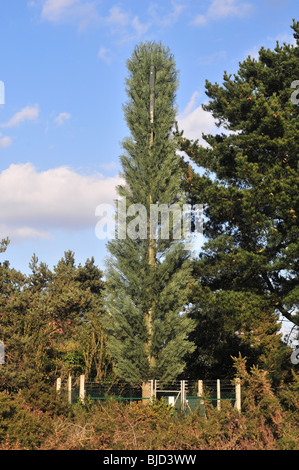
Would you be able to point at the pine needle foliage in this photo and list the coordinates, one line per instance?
(147, 276)
(248, 183)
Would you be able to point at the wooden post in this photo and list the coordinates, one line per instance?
(218, 395)
(183, 395)
(58, 384)
(200, 393)
(146, 392)
(200, 388)
(153, 390)
(82, 388)
(69, 389)
(201, 401)
(238, 394)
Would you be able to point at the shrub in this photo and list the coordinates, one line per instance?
(20, 425)
(36, 419)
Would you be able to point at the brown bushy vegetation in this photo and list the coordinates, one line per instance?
(42, 421)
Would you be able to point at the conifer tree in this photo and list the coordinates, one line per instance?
(250, 190)
(51, 321)
(147, 274)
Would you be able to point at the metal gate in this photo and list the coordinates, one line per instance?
(174, 392)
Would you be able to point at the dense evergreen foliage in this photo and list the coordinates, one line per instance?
(51, 322)
(147, 278)
(247, 271)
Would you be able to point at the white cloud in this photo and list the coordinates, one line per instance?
(194, 121)
(121, 22)
(53, 10)
(123, 25)
(212, 59)
(108, 166)
(5, 141)
(220, 9)
(253, 53)
(21, 233)
(61, 11)
(117, 17)
(170, 18)
(281, 38)
(61, 118)
(129, 27)
(33, 203)
(28, 113)
(138, 27)
(104, 54)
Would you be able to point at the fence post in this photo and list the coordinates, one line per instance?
(183, 395)
(69, 389)
(58, 384)
(146, 391)
(218, 395)
(200, 388)
(82, 388)
(201, 401)
(238, 394)
(153, 390)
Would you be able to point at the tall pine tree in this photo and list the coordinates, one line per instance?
(248, 270)
(147, 274)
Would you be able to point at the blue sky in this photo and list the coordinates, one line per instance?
(63, 64)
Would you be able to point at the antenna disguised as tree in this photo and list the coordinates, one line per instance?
(148, 275)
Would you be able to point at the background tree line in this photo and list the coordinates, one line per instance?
(51, 322)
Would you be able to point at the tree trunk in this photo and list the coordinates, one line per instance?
(152, 244)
